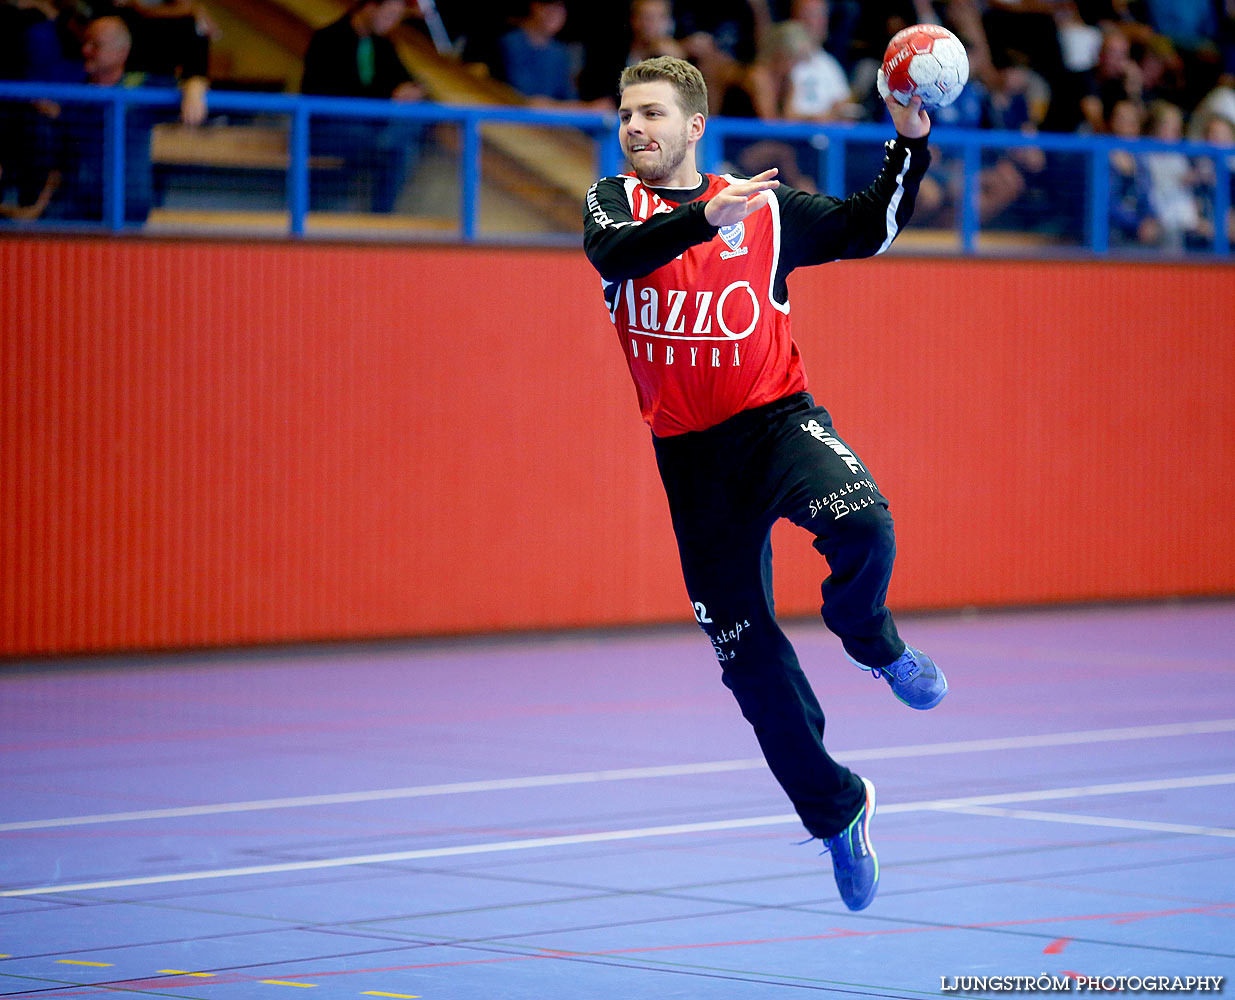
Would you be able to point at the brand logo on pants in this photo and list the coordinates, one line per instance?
(820, 433)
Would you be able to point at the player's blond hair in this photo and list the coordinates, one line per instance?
(687, 81)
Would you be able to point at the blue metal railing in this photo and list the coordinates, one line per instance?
(834, 146)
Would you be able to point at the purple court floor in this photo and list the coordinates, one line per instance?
(585, 816)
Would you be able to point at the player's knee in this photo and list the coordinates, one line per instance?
(744, 641)
(870, 529)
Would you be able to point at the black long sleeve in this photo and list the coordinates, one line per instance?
(620, 247)
(817, 228)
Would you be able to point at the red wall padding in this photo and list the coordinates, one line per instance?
(216, 443)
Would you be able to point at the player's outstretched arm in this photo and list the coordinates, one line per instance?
(819, 227)
(620, 247)
(737, 201)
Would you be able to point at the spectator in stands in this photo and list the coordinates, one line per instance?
(718, 67)
(1080, 40)
(170, 42)
(1172, 179)
(1192, 28)
(733, 27)
(819, 89)
(648, 32)
(843, 19)
(73, 145)
(1079, 45)
(1164, 73)
(720, 38)
(1016, 100)
(533, 61)
(171, 50)
(763, 89)
(1131, 217)
(354, 57)
(56, 51)
(1019, 187)
(651, 31)
(1027, 32)
(1219, 131)
(1220, 101)
(1117, 77)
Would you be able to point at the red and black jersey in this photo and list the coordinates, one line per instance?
(703, 314)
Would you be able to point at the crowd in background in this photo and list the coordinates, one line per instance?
(1129, 68)
(1160, 68)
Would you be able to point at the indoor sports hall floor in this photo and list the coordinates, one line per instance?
(584, 816)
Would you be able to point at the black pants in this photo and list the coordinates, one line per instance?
(727, 486)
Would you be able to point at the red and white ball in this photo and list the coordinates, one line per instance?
(926, 61)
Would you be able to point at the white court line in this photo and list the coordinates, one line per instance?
(745, 822)
(632, 773)
(1081, 820)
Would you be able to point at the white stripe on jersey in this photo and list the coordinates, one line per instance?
(895, 203)
(774, 206)
(631, 183)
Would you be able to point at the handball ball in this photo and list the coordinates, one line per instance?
(926, 60)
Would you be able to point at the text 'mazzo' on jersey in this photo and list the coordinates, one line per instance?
(702, 314)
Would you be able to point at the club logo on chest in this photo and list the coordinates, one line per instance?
(733, 237)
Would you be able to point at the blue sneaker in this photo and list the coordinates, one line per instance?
(853, 858)
(913, 678)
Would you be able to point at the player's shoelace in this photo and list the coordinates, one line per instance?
(905, 668)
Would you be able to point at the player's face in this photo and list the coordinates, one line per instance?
(656, 135)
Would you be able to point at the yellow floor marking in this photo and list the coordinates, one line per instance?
(97, 965)
(376, 993)
(284, 982)
(182, 972)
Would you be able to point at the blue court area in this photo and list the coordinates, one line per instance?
(586, 816)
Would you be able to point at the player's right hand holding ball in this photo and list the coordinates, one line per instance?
(911, 119)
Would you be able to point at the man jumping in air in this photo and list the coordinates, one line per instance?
(693, 268)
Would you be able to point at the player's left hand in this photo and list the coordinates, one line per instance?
(911, 119)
